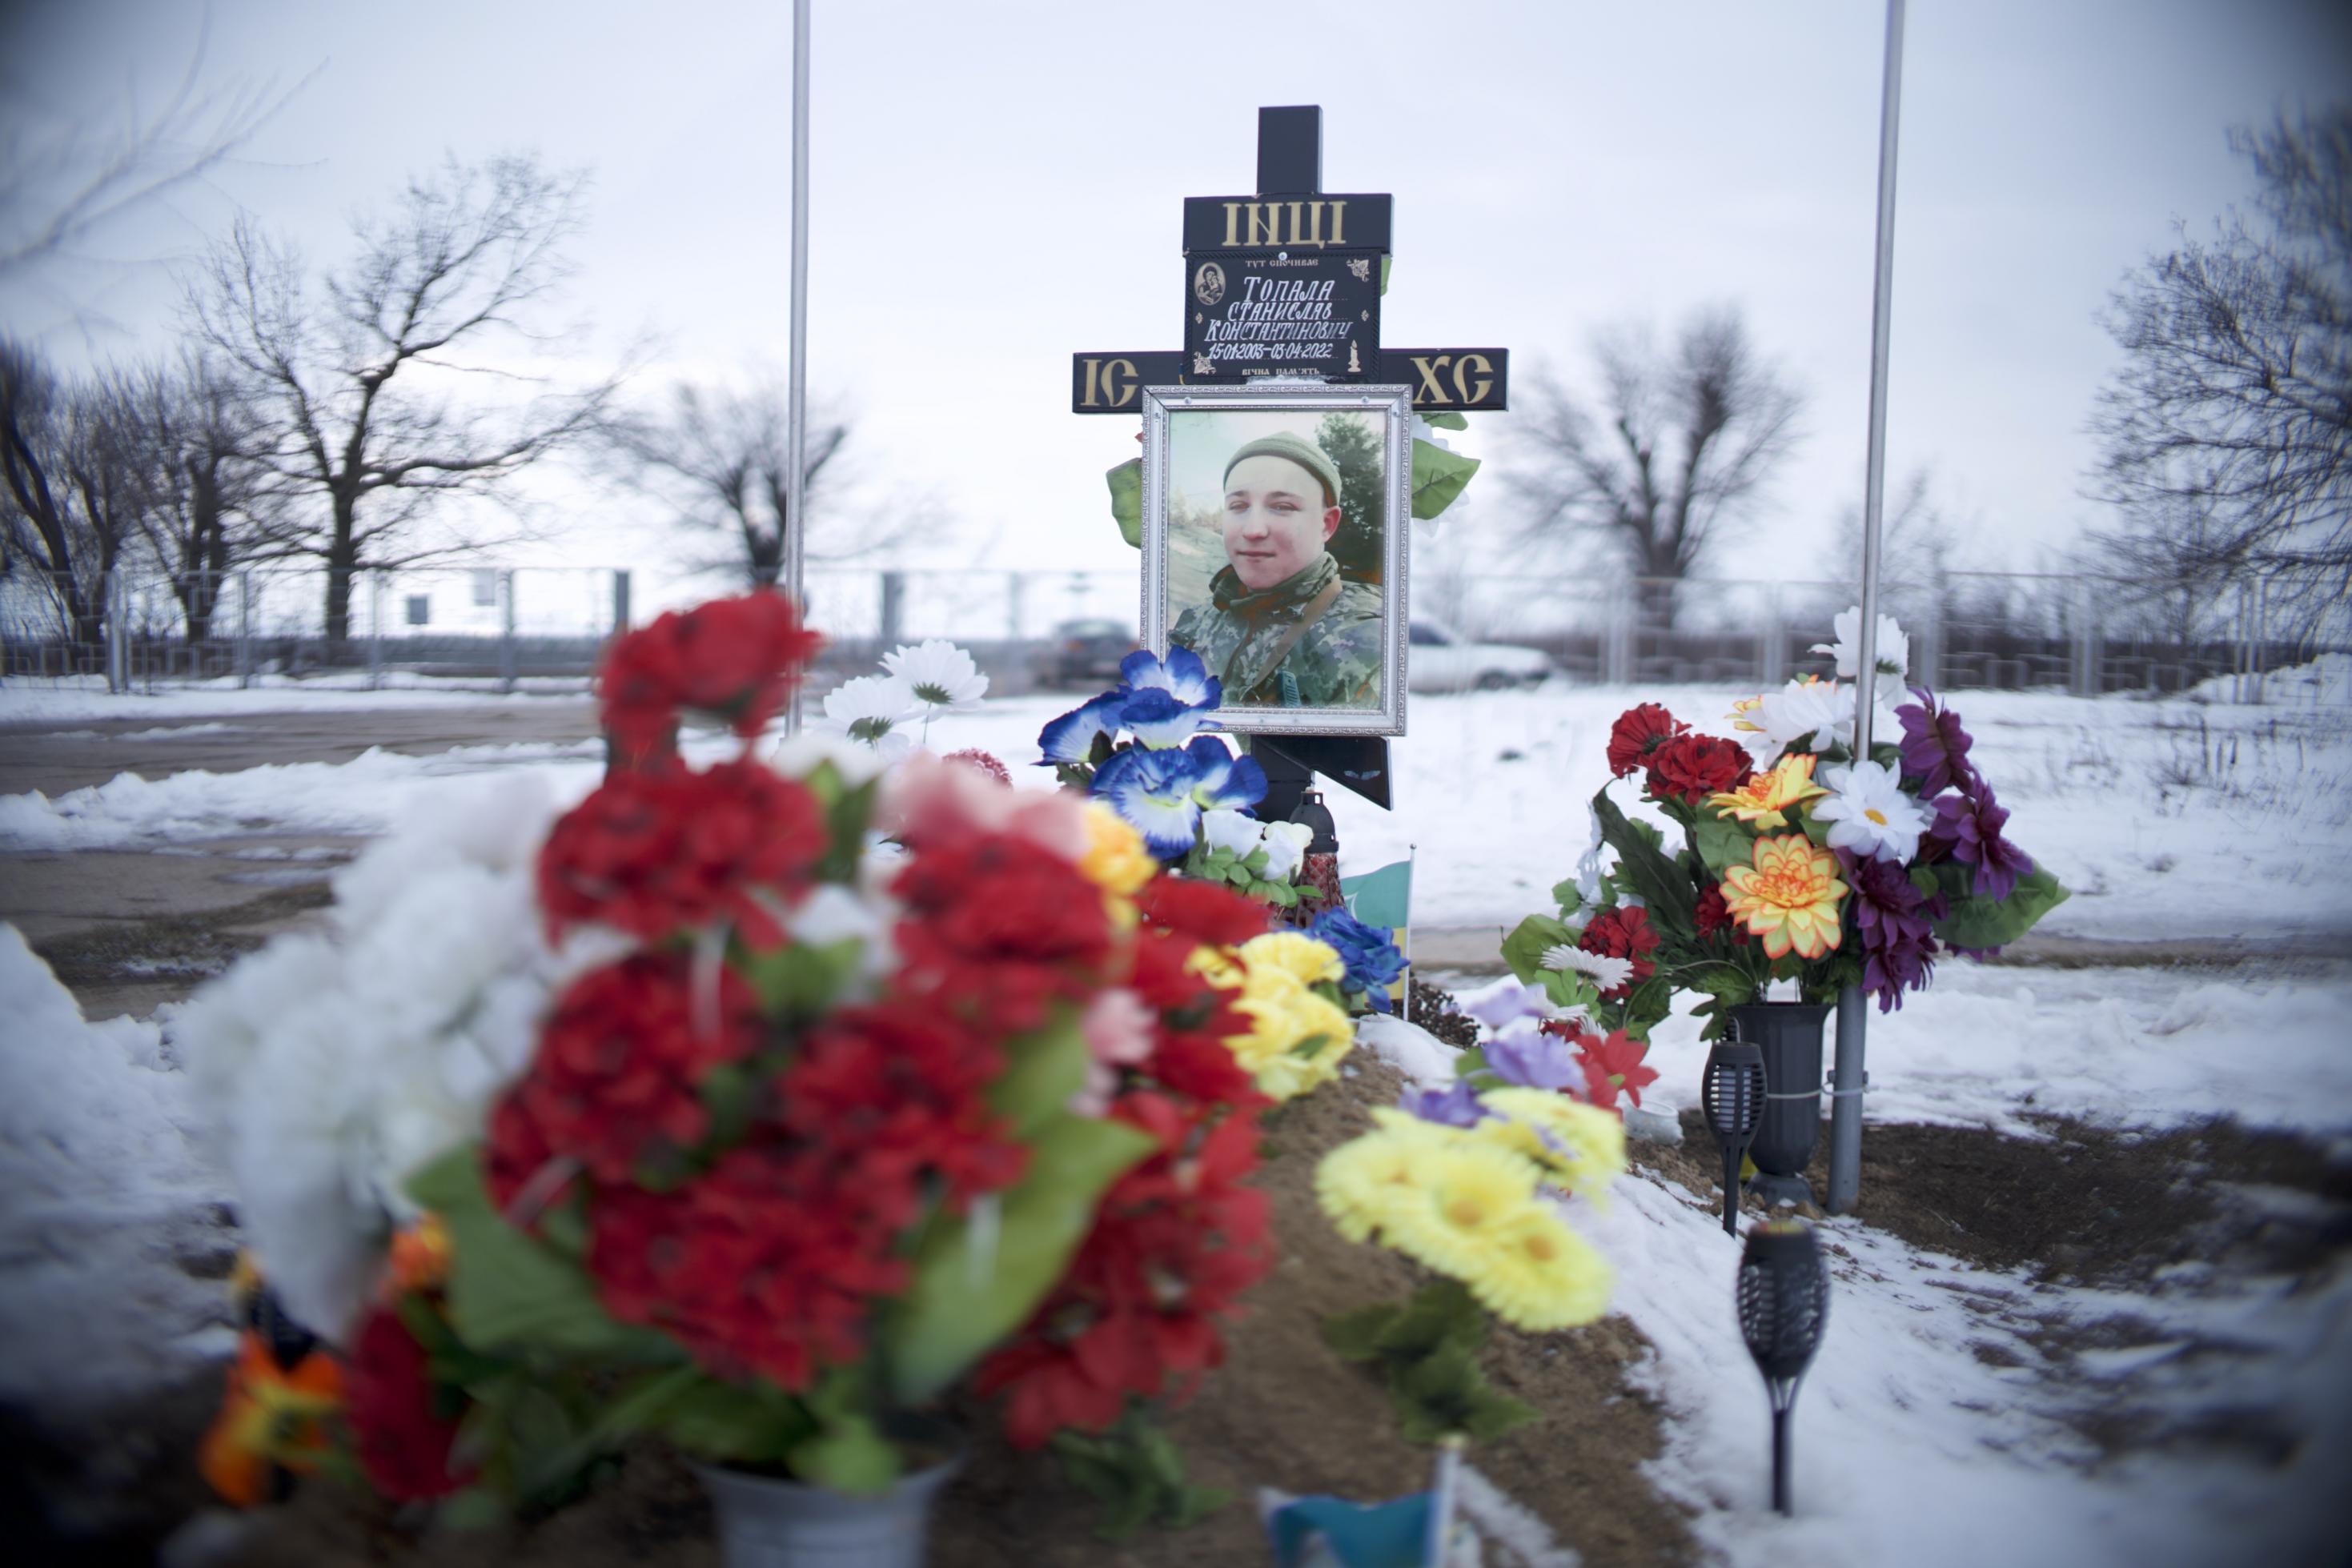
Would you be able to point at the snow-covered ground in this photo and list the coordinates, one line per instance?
(2169, 820)
(86, 697)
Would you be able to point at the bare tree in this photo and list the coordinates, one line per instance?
(1916, 539)
(2228, 430)
(73, 495)
(718, 456)
(196, 441)
(1680, 440)
(371, 384)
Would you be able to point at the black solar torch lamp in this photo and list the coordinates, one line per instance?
(1733, 1098)
(1784, 1299)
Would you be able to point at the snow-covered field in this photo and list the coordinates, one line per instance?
(2174, 821)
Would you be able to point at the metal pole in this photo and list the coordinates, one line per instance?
(1848, 1080)
(796, 385)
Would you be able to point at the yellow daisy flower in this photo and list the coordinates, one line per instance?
(1789, 896)
(1586, 1146)
(1115, 859)
(1536, 1273)
(1467, 1192)
(1362, 1182)
(1296, 952)
(1296, 1039)
(1764, 800)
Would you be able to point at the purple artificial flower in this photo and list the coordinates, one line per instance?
(1891, 915)
(1533, 1059)
(1969, 823)
(1508, 1000)
(1452, 1106)
(1935, 746)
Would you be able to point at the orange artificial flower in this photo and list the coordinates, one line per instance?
(1765, 798)
(271, 1419)
(1789, 896)
(419, 1260)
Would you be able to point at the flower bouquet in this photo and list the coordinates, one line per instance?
(721, 1119)
(1796, 860)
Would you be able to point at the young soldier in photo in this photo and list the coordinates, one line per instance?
(1281, 627)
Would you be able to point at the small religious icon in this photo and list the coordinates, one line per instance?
(1363, 267)
(1202, 367)
(1355, 364)
(1209, 283)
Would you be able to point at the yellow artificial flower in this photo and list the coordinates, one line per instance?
(1360, 1183)
(1296, 951)
(1466, 1191)
(1765, 798)
(1740, 712)
(1115, 859)
(1221, 966)
(1789, 896)
(1586, 1146)
(1536, 1274)
(1296, 1039)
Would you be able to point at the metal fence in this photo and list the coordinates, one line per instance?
(503, 628)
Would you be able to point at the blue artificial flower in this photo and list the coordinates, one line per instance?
(1156, 717)
(1221, 778)
(1368, 952)
(1181, 676)
(1456, 1106)
(1153, 789)
(1533, 1061)
(1071, 737)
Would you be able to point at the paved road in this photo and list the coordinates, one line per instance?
(70, 754)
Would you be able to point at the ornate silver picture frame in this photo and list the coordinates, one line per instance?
(1277, 532)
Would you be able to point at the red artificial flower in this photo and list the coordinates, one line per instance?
(1638, 732)
(1189, 1056)
(1711, 915)
(1202, 911)
(1622, 933)
(652, 853)
(401, 1421)
(1052, 1390)
(766, 1264)
(1690, 767)
(619, 1069)
(736, 657)
(986, 762)
(897, 1091)
(1612, 1064)
(998, 930)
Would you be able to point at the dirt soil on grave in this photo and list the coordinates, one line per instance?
(1283, 1411)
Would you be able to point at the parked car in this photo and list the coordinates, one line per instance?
(1441, 661)
(1084, 653)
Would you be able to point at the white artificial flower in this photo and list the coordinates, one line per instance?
(332, 1065)
(1285, 849)
(869, 710)
(830, 912)
(1606, 973)
(1869, 813)
(798, 756)
(1588, 868)
(941, 675)
(1892, 656)
(1224, 829)
(1810, 711)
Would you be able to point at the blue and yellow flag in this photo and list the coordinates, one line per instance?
(1383, 897)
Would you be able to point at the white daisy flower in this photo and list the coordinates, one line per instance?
(1869, 813)
(942, 675)
(1606, 973)
(1807, 711)
(869, 709)
(1892, 655)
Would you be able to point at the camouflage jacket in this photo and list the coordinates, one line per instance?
(1334, 662)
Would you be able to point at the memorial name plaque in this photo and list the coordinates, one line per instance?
(1288, 313)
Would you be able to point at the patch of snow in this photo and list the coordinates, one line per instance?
(107, 1198)
(87, 698)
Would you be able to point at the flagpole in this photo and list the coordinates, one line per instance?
(1848, 1080)
(1411, 850)
(796, 379)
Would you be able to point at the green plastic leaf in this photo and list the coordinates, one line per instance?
(1126, 483)
(1980, 923)
(1384, 274)
(1356, 1336)
(1440, 1314)
(947, 1321)
(1663, 884)
(1446, 418)
(1048, 1067)
(1722, 843)
(1566, 895)
(507, 1291)
(1439, 477)
(797, 980)
(849, 1456)
(736, 1425)
(1530, 940)
(476, 1508)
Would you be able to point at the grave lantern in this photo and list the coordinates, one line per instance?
(1732, 1094)
(1318, 874)
(1784, 1298)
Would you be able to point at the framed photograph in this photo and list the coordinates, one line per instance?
(1276, 523)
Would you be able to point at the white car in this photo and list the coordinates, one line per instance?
(1442, 662)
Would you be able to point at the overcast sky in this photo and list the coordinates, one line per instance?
(998, 185)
